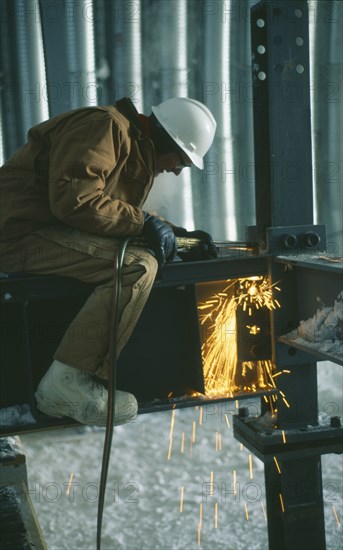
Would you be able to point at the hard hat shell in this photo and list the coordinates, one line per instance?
(191, 125)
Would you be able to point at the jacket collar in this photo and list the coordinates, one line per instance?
(127, 108)
(129, 111)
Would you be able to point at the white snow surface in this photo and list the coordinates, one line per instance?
(143, 494)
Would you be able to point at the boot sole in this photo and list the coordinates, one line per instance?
(58, 411)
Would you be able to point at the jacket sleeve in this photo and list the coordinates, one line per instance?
(81, 158)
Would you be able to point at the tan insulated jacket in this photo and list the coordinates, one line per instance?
(90, 169)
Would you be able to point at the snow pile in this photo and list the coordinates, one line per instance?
(324, 331)
(325, 324)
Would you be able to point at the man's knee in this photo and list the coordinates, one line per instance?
(140, 259)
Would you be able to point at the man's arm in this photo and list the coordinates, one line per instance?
(81, 159)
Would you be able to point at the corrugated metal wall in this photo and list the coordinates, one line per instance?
(63, 54)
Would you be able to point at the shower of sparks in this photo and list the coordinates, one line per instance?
(283, 436)
(250, 466)
(181, 498)
(246, 511)
(69, 483)
(183, 442)
(193, 432)
(200, 416)
(241, 446)
(227, 421)
(199, 534)
(277, 465)
(234, 482)
(263, 510)
(172, 422)
(190, 447)
(219, 351)
(216, 515)
(336, 516)
(281, 502)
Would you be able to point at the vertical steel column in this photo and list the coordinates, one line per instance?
(282, 127)
(283, 175)
(294, 503)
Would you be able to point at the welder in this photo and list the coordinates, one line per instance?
(69, 196)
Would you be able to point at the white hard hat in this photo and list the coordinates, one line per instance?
(190, 124)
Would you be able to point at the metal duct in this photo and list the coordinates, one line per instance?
(103, 70)
(31, 65)
(9, 103)
(327, 116)
(240, 97)
(216, 202)
(171, 197)
(125, 51)
(23, 71)
(79, 28)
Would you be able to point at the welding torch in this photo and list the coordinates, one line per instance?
(192, 249)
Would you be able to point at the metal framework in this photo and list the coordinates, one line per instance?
(292, 252)
(282, 137)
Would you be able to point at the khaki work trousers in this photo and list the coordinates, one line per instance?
(85, 345)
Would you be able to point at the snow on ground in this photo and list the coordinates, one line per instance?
(144, 488)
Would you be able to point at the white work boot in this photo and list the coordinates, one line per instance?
(66, 391)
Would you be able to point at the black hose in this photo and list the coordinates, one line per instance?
(112, 378)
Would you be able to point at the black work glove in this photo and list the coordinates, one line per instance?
(160, 238)
(204, 251)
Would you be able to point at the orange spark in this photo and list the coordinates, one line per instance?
(277, 465)
(172, 422)
(336, 516)
(193, 432)
(69, 483)
(183, 442)
(263, 510)
(286, 402)
(250, 466)
(199, 534)
(211, 483)
(181, 498)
